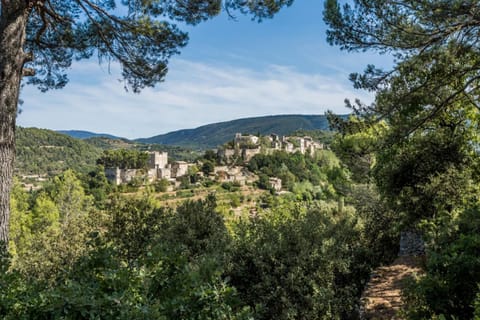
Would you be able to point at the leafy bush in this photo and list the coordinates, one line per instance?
(165, 286)
(298, 263)
(452, 271)
(123, 159)
(161, 185)
(230, 186)
(235, 200)
(152, 263)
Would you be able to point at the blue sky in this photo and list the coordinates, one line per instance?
(229, 70)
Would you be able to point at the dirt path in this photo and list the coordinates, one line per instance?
(382, 297)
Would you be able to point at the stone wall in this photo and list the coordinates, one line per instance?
(157, 159)
(127, 175)
(113, 175)
(411, 243)
(247, 154)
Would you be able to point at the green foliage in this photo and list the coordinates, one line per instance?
(197, 229)
(290, 261)
(50, 234)
(305, 191)
(45, 214)
(174, 152)
(69, 195)
(427, 169)
(477, 306)
(356, 146)
(20, 220)
(453, 271)
(208, 167)
(41, 151)
(324, 136)
(235, 200)
(186, 290)
(185, 182)
(230, 186)
(161, 185)
(99, 286)
(216, 134)
(95, 183)
(298, 263)
(264, 182)
(381, 225)
(428, 174)
(432, 76)
(268, 200)
(322, 170)
(123, 159)
(210, 155)
(134, 223)
(152, 263)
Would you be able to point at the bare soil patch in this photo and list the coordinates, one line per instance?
(382, 298)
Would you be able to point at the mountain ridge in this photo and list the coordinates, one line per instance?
(215, 134)
(83, 134)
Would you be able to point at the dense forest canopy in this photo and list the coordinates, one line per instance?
(45, 152)
(426, 161)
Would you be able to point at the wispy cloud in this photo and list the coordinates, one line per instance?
(194, 94)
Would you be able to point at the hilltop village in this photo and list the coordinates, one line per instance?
(229, 166)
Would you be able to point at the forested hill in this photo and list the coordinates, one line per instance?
(80, 134)
(42, 151)
(213, 135)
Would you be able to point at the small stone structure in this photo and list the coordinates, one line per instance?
(276, 183)
(240, 140)
(226, 153)
(411, 243)
(231, 174)
(118, 176)
(247, 154)
(179, 169)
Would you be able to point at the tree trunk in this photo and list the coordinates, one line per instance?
(13, 20)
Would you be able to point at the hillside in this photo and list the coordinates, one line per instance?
(174, 152)
(213, 135)
(42, 151)
(106, 143)
(80, 134)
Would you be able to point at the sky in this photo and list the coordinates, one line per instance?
(230, 69)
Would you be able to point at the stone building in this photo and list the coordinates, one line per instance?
(247, 154)
(157, 160)
(276, 183)
(157, 168)
(245, 140)
(179, 169)
(119, 176)
(157, 164)
(226, 153)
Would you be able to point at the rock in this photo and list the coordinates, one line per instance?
(411, 243)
